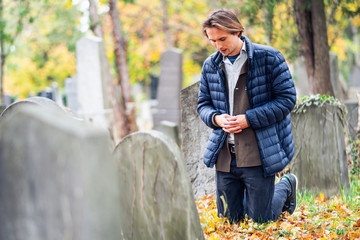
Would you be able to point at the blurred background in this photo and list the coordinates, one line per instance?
(39, 41)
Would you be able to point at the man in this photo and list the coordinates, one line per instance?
(246, 95)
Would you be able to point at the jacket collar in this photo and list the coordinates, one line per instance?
(217, 57)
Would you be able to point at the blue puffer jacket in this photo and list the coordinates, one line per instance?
(272, 96)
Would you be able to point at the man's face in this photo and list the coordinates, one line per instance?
(228, 44)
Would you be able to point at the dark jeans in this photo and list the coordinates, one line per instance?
(247, 191)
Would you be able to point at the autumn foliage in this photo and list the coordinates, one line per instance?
(322, 218)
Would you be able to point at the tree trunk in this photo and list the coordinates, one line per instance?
(122, 71)
(117, 105)
(311, 22)
(2, 56)
(166, 27)
(2, 64)
(269, 17)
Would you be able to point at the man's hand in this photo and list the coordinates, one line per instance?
(231, 124)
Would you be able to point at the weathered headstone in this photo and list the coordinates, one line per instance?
(91, 83)
(300, 76)
(352, 117)
(170, 84)
(320, 162)
(195, 134)
(45, 103)
(354, 80)
(71, 94)
(155, 189)
(170, 129)
(57, 178)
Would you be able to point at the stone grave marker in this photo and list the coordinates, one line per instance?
(352, 117)
(71, 94)
(170, 129)
(354, 80)
(320, 162)
(57, 178)
(93, 102)
(156, 195)
(169, 86)
(45, 103)
(195, 135)
(300, 77)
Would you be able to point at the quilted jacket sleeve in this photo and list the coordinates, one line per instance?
(283, 97)
(205, 106)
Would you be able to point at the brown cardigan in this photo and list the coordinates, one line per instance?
(246, 147)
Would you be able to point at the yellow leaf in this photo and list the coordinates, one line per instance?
(286, 226)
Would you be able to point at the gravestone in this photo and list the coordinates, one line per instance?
(170, 84)
(93, 103)
(170, 129)
(45, 103)
(57, 178)
(300, 77)
(354, 82)
(320, 162)
(352, 117)
(339, 86)
(156, 195)
(355, 77)
(71, 94)
(195, 135)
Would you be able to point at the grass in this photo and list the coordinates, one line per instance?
(316, 217)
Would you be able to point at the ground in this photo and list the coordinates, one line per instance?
(315, 218)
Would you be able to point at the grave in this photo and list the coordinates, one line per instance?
(352, 117)
(71, 94)
(170, 129)
(156, 195)
(320, 162)
(57, 177)
(354, 82)
(195, 135)
(169, 86)
(91, 89)
(45, 103)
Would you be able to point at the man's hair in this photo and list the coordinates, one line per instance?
(223, 19)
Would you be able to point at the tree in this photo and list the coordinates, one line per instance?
(166, 24)
(127, 104)
(118, 104)
(18, 10)
(44, 52)
(311, 22)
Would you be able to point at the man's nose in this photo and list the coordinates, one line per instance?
(217, 45)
